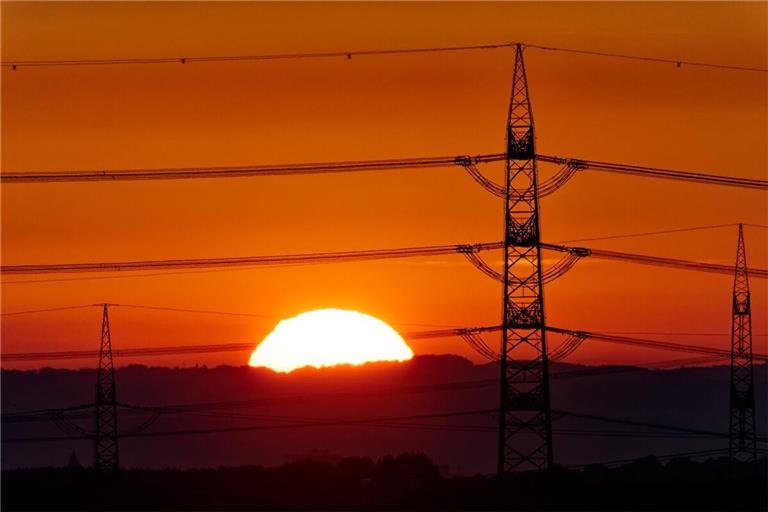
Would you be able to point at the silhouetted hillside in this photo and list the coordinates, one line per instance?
(278, 404)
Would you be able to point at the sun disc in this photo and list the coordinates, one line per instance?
(329, 337)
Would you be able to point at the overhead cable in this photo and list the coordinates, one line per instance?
(198, 349)
(369, 255)
(650, 233)
(655, 172)
(571, 165)
(243, 170)
(203, 431)
(286, 259)
(47, 310)
(658, 261)
(417, 335)
(676, 62)
(350, 54)
(662, 345)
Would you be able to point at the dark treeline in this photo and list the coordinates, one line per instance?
(405, 482)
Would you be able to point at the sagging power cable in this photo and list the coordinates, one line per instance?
(570, 166)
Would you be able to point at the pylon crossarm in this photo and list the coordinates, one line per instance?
(551, 185)
(566, 263)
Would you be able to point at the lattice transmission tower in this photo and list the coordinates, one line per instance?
(525, 430)
(742, 443)
(105, 446)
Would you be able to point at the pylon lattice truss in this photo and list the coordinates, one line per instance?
(105, 445)
(525, 433)
(742, 444)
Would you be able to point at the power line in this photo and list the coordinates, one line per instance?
(137, 306)
(246, 346)
(670, 333)
(183, 408)
(716, 353)
(360, 255)
(186, 310)
(677, 432)
(130, 352)
(201, 407)
(451, 386)
(256, 57)
(671, 431)
(361, 166)
(48, 310)
(650, 233)
(416, 335)
(386, 424)
(197, 349)
(223, 313)
(175, 310)
(248, 428)
(133, 276)
(682, 455)
(636, 423)
(676, 62)
(349, 54)
(388, 391)
(655, 172)
(244, 170)
(633, 434)
(660, 261)
(45, 414)
(662, 345)
(286, 259)
(759, 273)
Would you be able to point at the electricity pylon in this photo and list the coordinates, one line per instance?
(525, 430)
(742, 445)
(105, 446)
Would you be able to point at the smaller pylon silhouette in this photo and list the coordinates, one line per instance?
(742, 445)
(105, 447)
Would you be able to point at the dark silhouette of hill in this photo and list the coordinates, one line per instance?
(690, 397)
(405, 482)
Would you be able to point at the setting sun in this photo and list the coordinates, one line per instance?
(328, 337)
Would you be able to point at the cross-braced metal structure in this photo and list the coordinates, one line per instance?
(525, 431)
(105, 446)
(742, 444)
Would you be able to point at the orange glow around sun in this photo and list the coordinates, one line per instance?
(329, 337)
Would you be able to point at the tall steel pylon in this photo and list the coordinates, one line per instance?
(105, 446)
(525, 430)
(742, 443)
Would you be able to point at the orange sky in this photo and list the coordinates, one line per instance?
(365, 108)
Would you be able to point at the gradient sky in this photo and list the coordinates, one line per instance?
(137, 116)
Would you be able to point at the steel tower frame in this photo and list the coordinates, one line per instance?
(525, 423)
(742, 442)
(105, 445)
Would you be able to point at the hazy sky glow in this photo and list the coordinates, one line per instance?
(117, 117)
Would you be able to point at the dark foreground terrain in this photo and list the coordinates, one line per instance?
(406, 482)
(233, 397)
